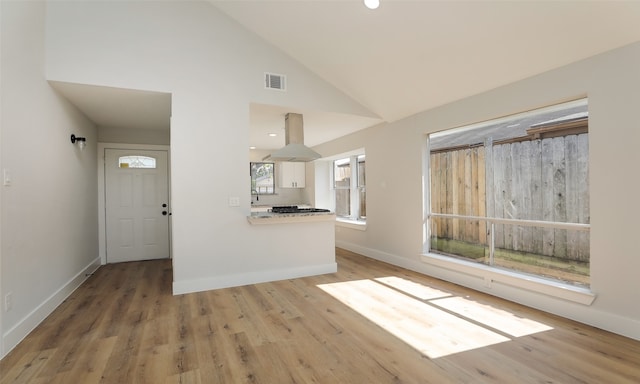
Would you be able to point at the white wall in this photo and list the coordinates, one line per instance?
(214, 70)
(133, 136)
(394, 183)
(49, 220)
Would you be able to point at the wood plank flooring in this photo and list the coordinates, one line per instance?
(368, 323)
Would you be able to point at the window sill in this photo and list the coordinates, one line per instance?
(353, 224)
(530, 283)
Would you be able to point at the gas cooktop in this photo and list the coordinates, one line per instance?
(296, 209)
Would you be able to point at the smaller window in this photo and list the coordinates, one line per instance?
(342, 187)
(349, 188)
(262, 179)
(362, 190)
(137, 162)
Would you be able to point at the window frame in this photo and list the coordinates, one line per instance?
(255, 191)
(357, 183)
(490, 272)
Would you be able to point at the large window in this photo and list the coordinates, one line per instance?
(513, 193)
(349, 185)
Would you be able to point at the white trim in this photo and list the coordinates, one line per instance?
(354, 189)
(381, 256)
(102, 219)
(344, 155)
(353, 224)
(199, 285)
(22, 329)
(483, 274)
(522, 222)
(492, 275)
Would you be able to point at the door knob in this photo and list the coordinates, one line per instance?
(164, 205)
(164, 213)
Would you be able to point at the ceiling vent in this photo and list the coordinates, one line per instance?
(275, 81)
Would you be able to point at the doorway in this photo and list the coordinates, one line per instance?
(136, 220)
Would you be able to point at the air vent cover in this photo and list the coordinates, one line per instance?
(275, 81)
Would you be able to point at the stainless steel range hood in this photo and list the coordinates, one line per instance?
(294, 149)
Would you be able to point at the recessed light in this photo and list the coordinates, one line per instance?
(252, 147)
(273, 134)
(372, 4)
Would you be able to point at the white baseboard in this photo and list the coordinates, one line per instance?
(382, 256)
(21, 330)
(199, 285)
(589, 315)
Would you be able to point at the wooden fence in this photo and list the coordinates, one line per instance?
(543, 179)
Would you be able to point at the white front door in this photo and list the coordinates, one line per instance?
(136, 204)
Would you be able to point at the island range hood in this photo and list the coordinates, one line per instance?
(294, 149)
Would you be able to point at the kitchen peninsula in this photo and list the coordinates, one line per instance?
(293, 244)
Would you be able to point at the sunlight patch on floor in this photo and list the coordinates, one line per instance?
(430, 330)
(414, 289)
(499, 319)
(422, 316)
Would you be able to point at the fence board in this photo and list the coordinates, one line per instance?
(506, 195)
(536, 195)
(468, 195)
(489, 182)
(571, 192)
(475, 203)
(436, 170)
(499, 191)
(449, 190)
(472, 189)
(455, 185)
(525, 188)
(559, 196)
(583, 196)
(537, 180)
(516, 196)
(460, 208)
(548, 235)
(482, 196)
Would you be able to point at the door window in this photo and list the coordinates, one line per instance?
(135, 161)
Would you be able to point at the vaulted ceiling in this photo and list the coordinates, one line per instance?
(410, 56)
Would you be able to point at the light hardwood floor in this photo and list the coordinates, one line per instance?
(369, 323)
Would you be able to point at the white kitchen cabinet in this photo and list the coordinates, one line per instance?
(292, 175)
